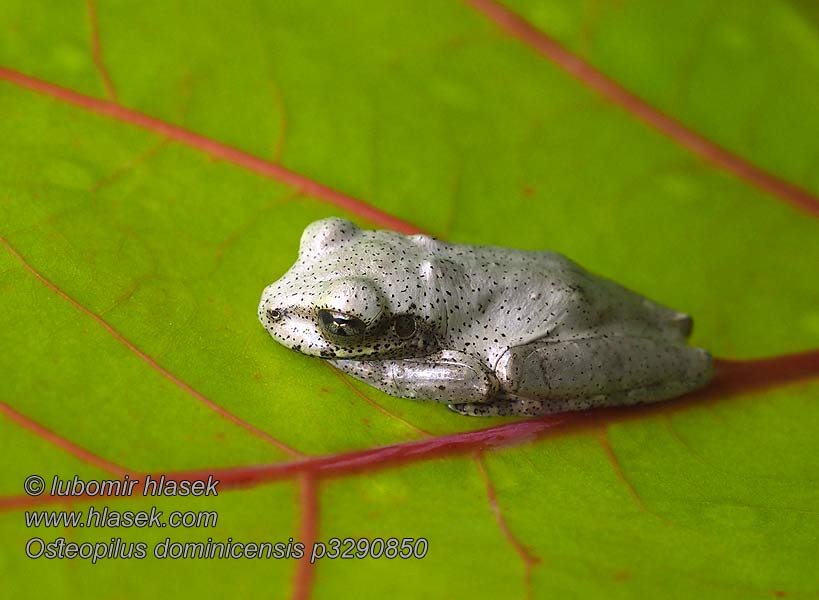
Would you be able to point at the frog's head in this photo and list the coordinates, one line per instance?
(337, 301)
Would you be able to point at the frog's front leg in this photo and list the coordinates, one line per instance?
(446, 376)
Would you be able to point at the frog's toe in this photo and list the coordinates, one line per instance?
(509, 407)
(495, 408)
(476, 409)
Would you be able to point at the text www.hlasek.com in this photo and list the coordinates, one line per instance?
(113, 518)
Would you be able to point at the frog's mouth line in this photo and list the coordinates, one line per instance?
(298, 329)
(303, 334)
(320, 331)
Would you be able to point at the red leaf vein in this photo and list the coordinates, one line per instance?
(212, 148)
(96, 49)
(732, 378)
(150, 361)
(68, 446)
(575, 66)
(308, 534)
(528, 558)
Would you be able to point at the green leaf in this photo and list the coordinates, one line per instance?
(134, 253)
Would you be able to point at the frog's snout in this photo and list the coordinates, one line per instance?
(291, 326)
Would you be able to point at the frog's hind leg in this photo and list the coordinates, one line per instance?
(526, 407)
(599, 371)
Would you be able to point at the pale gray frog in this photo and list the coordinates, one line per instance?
(487, 330)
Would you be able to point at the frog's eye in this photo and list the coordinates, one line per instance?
(348, 296)
(339, 325)
(404, 326)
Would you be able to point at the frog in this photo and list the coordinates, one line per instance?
(485, 330)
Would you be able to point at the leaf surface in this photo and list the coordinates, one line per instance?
(134, 254)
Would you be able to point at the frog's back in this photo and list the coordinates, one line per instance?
(540, 293)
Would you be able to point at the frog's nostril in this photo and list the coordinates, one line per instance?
(274, 314)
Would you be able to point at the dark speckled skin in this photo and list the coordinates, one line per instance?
(487, 330)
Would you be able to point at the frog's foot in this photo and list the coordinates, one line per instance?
(446, 376)
(509, 407)
(513, 406)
